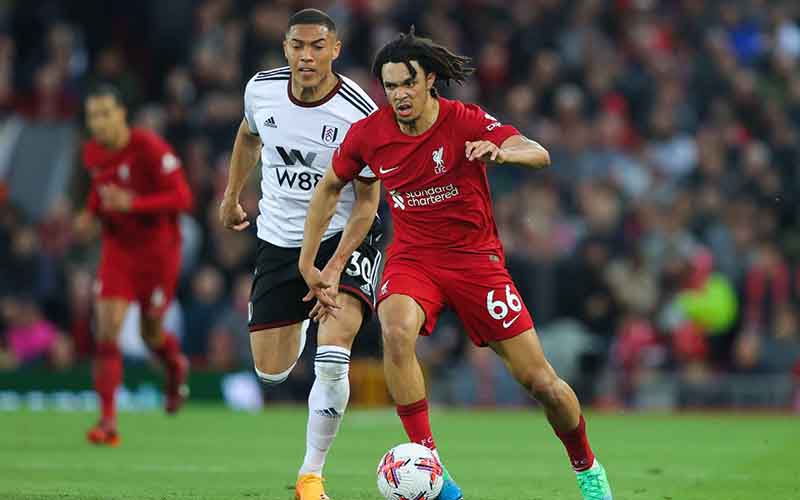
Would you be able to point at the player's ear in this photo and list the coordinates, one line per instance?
(337, 47)
(285, 46)
(430, 79)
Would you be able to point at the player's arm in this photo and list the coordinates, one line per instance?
(174, 196)
(171, 192)
(320, 212)
(246, 150)
(368, 197)
(517, 150)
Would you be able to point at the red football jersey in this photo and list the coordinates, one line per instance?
(148, 167)
(440, 203)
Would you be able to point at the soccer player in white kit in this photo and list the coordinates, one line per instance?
(295, 118)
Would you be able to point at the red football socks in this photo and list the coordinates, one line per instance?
(168, 351)
(107, 377)
(577, 445)
(417, 423)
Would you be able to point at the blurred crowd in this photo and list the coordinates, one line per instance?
(664, 239)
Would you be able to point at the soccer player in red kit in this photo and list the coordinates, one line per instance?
(430, 153)
(137, 191)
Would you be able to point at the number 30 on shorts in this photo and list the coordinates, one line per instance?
(361, 266)
(498, 309)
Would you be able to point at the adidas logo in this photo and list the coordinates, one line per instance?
(365, 288)
(328, 412)
(270, 122)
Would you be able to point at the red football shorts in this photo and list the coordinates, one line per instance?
(482, 295)
(149, 279)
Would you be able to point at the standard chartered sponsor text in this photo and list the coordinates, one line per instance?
(431, 195)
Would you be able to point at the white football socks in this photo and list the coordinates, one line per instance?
(326, 404)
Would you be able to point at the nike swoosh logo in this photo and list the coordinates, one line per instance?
(387, 170)
(506, 324)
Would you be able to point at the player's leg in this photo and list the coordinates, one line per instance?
(156, 287)
(330, 393)
(276, 351)
(402, 319)
(107, 368)
(165, 346)
(525, 359)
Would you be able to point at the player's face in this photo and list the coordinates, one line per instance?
(407, 94)
(310, 50)
(105, 118)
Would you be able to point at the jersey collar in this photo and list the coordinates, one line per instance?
(319, 102)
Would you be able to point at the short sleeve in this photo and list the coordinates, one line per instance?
(485, 127)
(367, 175)
(348, 162)
(248, 108)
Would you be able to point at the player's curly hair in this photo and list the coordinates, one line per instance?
(407, 47)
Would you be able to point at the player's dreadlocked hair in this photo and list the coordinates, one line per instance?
(430, 55)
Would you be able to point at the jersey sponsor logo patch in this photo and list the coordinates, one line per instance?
(169, 163)
(329, 134)
(270, 122)
(305, 181)
(438, 160)
(492, 126)
(385, 171)
(397, 198)
(424, 197)
(292, 157)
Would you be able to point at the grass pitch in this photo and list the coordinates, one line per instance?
(211, 453)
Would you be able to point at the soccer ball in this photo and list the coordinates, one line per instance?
(410, 472)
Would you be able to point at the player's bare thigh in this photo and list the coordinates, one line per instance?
(110, 316)
(401, 320)
(275, 349)
(341, 330)
(525, 359)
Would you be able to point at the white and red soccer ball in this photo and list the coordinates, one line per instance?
(410, 471)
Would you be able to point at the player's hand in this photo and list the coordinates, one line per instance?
(324, 286)
(330, 275)
(114, 198)
(84, 226)
(232, 215)
(484, 151)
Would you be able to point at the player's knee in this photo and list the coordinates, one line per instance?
(270, 379)
(541, 383)
(398, 342)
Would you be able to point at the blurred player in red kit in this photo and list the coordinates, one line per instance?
(137, 191)
(431, 153)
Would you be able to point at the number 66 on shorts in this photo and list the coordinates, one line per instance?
(482, 295)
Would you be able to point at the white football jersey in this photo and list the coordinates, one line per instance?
(299, 140)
